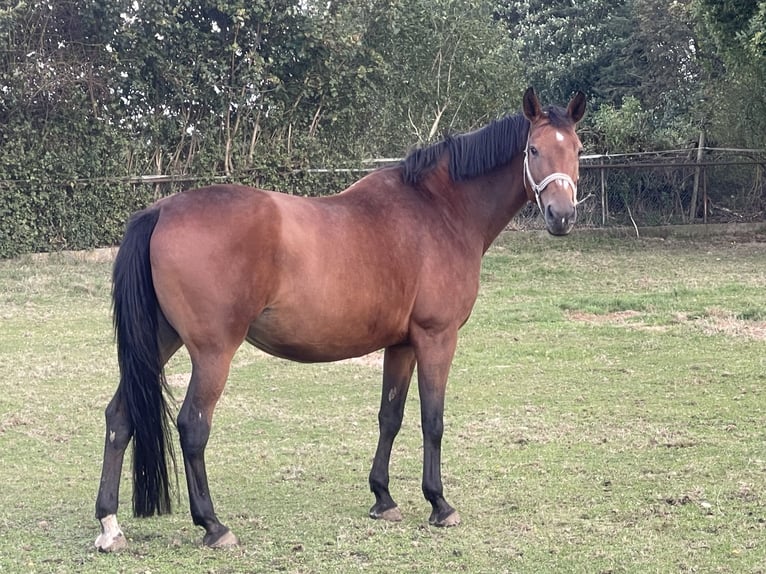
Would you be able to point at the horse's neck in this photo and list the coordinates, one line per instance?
(495, 198)
(480, 207)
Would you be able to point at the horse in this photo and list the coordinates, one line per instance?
(392, 263)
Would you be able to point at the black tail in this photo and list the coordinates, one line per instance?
(142, 380)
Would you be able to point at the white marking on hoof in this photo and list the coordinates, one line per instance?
(452, 520)
(392, 515)
(111, 538)
(228, 540)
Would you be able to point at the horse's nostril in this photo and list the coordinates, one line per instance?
(559, 220)
(555, 216)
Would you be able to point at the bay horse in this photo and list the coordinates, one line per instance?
(390, 263)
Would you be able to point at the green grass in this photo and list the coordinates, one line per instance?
(605, 414)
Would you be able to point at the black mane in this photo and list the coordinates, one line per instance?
(478, 152)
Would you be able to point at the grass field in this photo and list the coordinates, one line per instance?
(606, 413)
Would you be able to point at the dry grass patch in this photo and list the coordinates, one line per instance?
(614, 318)
(720, 322)
(712, 322)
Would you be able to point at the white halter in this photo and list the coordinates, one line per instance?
(539, 187)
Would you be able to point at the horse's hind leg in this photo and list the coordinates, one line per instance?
(209, 375)
(398, 366)
(118, 433)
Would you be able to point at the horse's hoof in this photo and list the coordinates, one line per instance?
(389, 515)
(452, 519)
(225, 540)
(111, 538)
(106, 543)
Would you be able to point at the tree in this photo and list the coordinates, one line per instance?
(642, 51)
(735, 26)
(735, 56)
(663, 47)
(229, 86)
(433, 66)
(567, 46)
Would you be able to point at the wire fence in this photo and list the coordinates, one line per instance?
(707, 185)
(673, 187)
(711, 185)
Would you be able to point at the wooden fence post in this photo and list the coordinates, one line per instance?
(695, 188)
(604, 201)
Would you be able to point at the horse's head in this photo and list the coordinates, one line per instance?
(551, 162)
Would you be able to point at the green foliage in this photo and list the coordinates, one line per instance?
(626, 127)
(630, 127)
(634, 58)
(227, 90)
(444, 66)
(55, 133)
(756, 33)
(735, 55)
(662, 56)
(567, 46)
(733, 25)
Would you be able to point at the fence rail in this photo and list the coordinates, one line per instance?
(676, 187)
(639, 190)
(642, 189)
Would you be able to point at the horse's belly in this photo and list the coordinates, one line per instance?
(323, 337)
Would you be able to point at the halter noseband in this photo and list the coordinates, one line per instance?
(538, 188)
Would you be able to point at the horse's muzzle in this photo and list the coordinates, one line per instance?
(560, 220)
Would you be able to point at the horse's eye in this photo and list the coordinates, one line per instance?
(533, 150)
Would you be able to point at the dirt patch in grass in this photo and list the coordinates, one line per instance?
(629, 319)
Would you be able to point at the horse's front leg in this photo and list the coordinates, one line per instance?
(398, 366)
(118, 433)
(194, 423)
(434, 355)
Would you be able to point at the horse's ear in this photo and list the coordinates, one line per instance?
(532, 109)
(576, 107)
